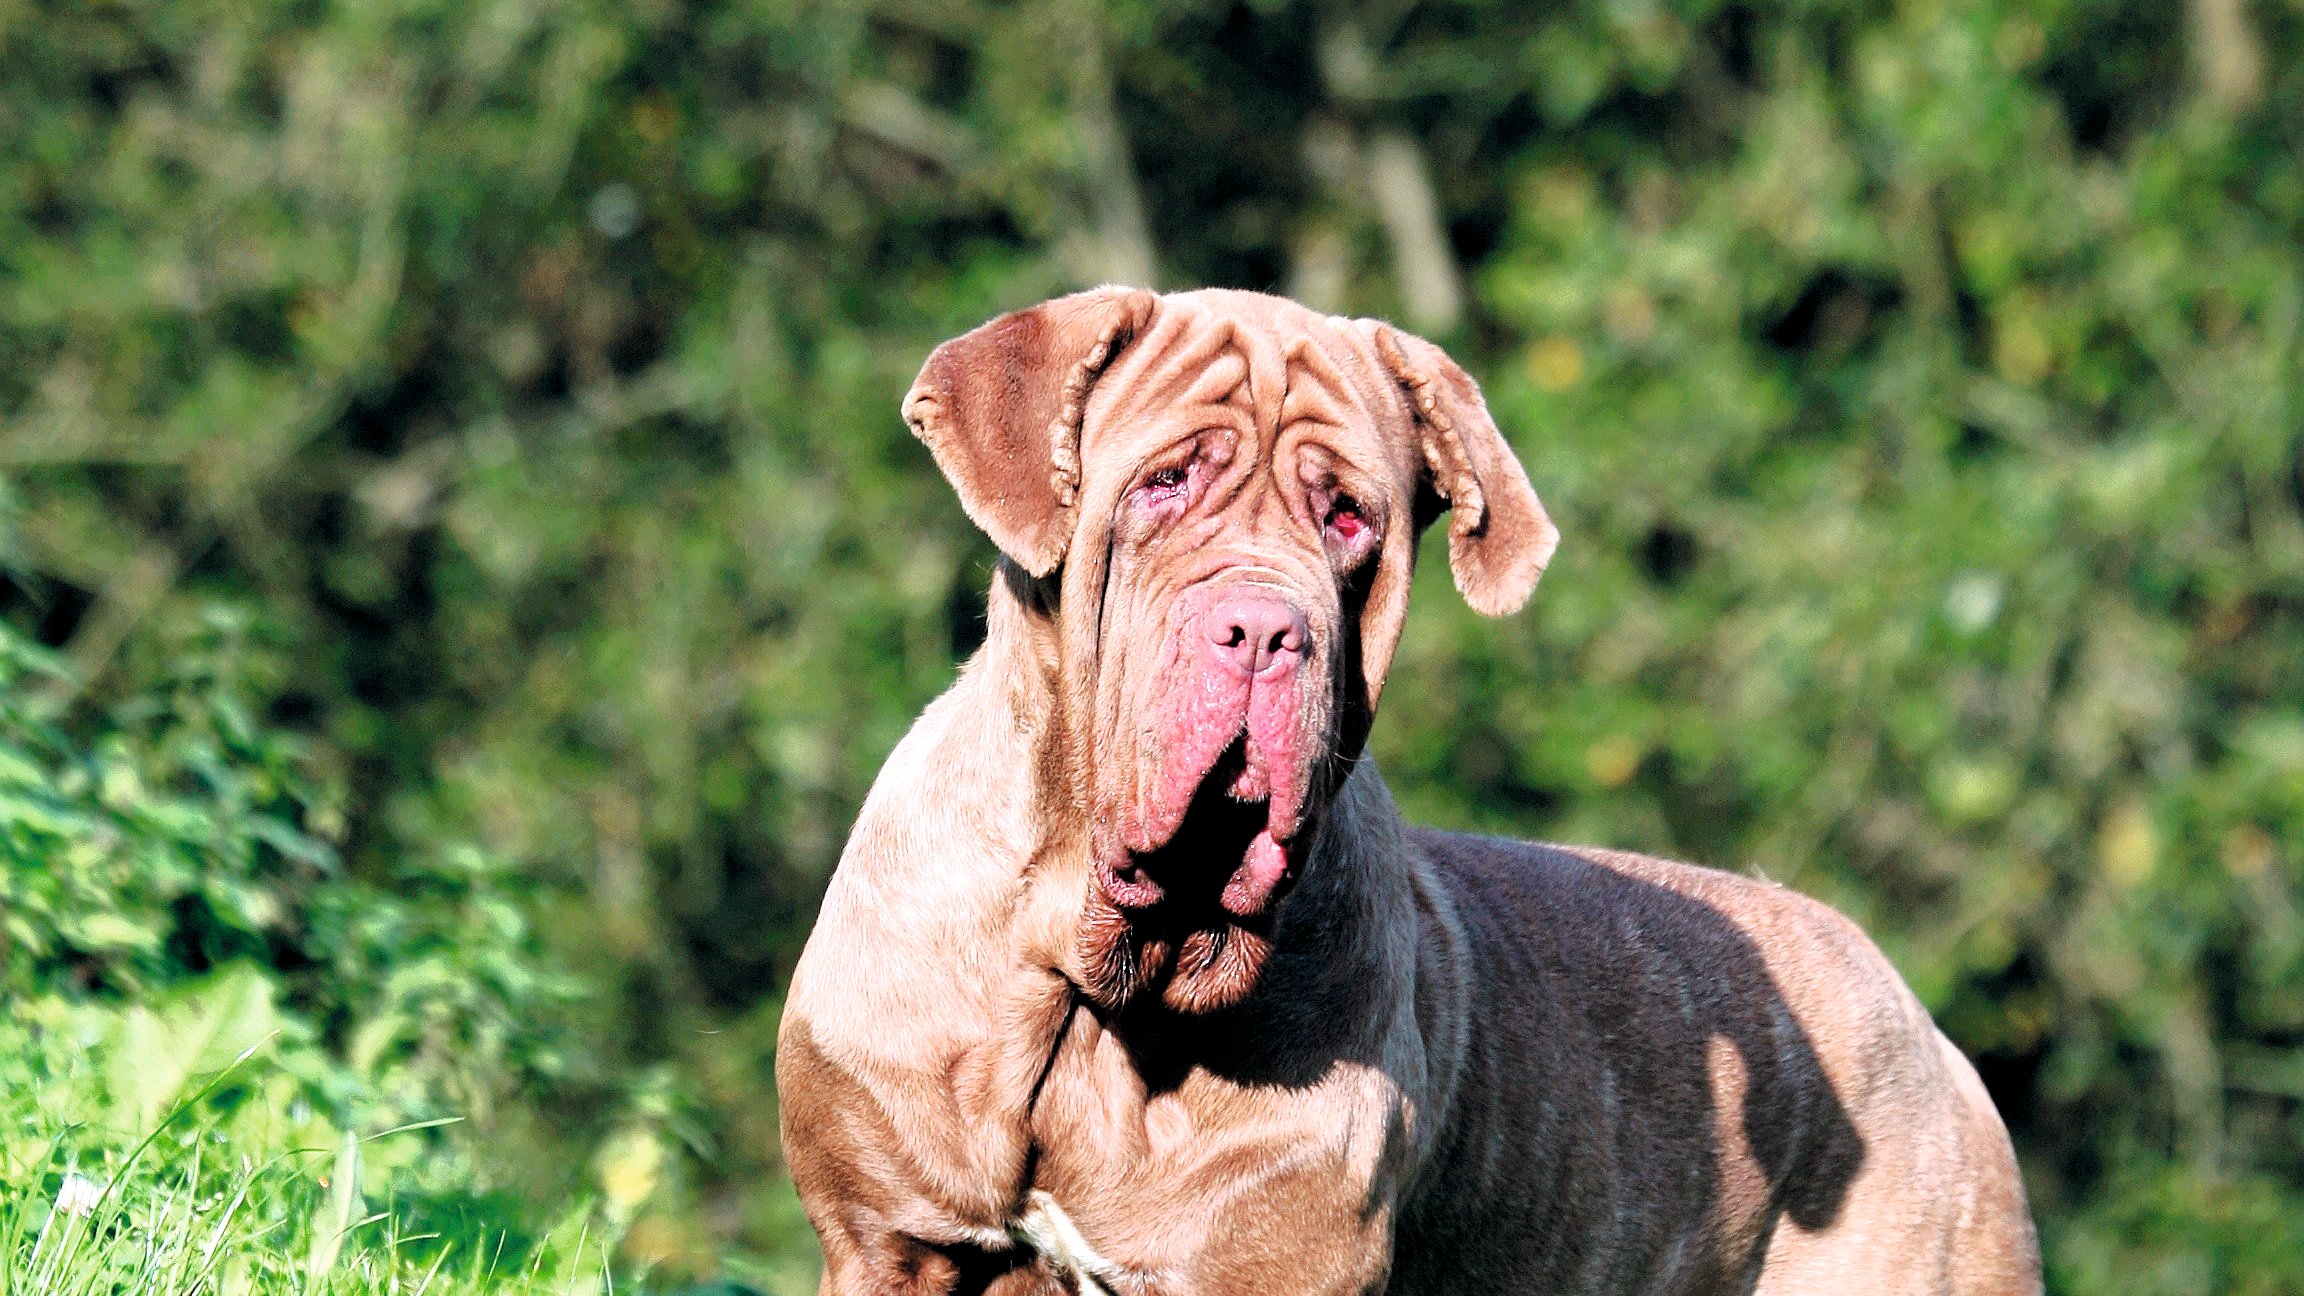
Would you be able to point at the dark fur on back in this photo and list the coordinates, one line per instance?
(1586, 1103)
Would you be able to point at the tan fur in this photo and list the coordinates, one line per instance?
(1439, 1064)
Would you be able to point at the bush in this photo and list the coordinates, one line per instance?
(185, 956)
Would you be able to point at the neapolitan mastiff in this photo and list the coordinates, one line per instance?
(1132, 980)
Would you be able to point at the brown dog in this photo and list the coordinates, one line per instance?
(1132, 980)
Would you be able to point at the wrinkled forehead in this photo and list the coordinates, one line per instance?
(1255, 364)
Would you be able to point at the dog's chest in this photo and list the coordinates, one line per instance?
(1134, 1173)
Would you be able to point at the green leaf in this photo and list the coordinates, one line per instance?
(159, 1049)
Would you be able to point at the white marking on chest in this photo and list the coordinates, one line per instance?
(1045, 1228)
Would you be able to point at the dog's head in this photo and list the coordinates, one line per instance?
(1218, 495)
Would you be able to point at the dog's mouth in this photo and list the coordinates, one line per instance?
(1232, 841)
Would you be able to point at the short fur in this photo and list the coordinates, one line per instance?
(1029, 1048)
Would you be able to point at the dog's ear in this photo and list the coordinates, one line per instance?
(1499, 538)
(1000, 409)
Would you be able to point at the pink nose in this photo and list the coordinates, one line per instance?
(1256, 635)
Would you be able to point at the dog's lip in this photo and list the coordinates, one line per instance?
(1233, 804)
(1127, 883)
(1266, 866)
(1242, 771)
(1221, 781)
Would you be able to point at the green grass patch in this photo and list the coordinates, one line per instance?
(218, 1199)
(203, 1205)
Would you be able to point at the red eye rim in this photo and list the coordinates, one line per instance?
(1345, 519)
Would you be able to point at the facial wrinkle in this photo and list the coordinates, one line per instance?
(1226, 369)
(1315, 391)
(1259, 399)
(1135, 384)
(1267, 386)
(1185, 363)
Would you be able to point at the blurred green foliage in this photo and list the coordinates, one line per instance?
(1916, 385)
(201, 1004)
(170, 902)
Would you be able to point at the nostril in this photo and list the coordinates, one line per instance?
(1256, 634)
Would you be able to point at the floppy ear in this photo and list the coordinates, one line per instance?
(1000, 408)
(1499, 538)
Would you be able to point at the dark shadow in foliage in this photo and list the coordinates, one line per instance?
(736, 917)
(49, 606)
(1238, 77)
(256, 325)
(2108, 51)
(1484, 759)
(1708, 811)
(492, 1227)
(1836, 313)
(1668, 554)
(2010, 1070)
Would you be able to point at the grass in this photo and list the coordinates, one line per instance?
(198, 1207)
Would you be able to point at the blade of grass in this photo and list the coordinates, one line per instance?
(434, 1123)
(191, 1200)
(329, 1228)
(32, 1262)
(155, 1233)
(437, 1261)
(224, 1221)
(102, 1261)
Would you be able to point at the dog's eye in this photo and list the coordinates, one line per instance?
(1346, 529)
(1166, 485)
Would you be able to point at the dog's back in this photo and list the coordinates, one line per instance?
(1692, 1081)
